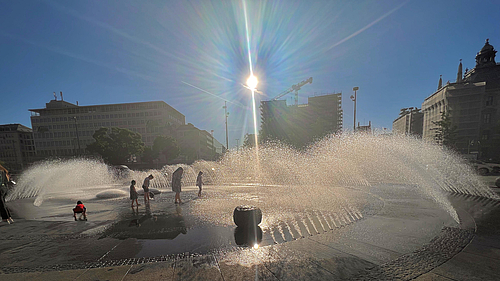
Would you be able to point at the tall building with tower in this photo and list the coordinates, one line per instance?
(473, 103)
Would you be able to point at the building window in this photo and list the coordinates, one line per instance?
(486, 135)
(486, 118)
(489, 101)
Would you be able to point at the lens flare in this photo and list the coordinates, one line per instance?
(252, 82)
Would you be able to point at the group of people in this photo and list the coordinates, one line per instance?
(176, 187)
(81, 210)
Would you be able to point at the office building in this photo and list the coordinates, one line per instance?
(17, 148)
(409, 122)
(300, 125)
(65, 129)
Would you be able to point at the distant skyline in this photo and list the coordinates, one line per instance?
(194, 54)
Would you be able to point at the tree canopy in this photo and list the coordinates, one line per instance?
(166, 146)
(117, 145)
(445, 133)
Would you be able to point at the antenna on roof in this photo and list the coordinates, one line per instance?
(61, 96)
(55, 96)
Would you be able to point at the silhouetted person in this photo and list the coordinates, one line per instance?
(176, 184)
(4, 183)
(199, 182)
(145, 186)
(133, 194)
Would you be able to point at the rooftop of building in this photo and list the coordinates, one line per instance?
(14, 128)
(61, 104)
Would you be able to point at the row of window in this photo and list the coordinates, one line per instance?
(60, 152)
(96, 117)
(5, 154)
(96, 125)
(58, 143)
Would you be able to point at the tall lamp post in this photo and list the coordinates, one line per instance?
(77, 137)
(353, 98)
(213, 147)
(226, 114)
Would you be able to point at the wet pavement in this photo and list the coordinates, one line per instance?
(397, 236)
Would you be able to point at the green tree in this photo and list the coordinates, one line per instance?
(249, 140)
(166, 146)
(445, 133)
(116, 146)
(149, 154)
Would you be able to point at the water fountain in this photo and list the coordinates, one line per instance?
(329, 185)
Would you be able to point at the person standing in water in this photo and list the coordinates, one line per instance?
(4, 182)
(133, 194)
(176, 184)
(145, 186)
(199, 182)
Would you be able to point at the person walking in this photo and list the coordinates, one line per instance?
(199, 182)
(145, 186)
(176, 184)
(133, 194)
(4, 182)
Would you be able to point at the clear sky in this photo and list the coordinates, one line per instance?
(194, 54)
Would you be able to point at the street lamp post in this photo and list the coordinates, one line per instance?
(226, 114)
(252, 83)
(354, 98)
(213, 147)
(77, 137)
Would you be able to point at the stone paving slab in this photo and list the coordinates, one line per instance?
(379, 247)
(467, 266)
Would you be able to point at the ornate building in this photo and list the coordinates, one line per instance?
(473, 102)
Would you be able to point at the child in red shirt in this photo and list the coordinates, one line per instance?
(80, 209)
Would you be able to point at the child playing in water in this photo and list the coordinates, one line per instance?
(133, 194)
(199, 182)
(80, 209)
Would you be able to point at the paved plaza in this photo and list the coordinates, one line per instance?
(398, 236)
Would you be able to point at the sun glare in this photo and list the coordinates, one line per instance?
(252, 82)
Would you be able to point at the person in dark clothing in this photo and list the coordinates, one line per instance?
(133, 194)
(4, 182)
(199, 182)
(80, 209)
(176, 184)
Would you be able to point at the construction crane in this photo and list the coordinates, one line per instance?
(295, 88)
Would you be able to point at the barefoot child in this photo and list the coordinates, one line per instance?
(199, 182)
(133, 194)
(145, 186)
(80, 209)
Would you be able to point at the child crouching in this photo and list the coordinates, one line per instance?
(80, 209)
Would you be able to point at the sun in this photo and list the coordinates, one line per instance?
(252, 82)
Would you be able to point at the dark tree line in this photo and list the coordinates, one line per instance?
(118, 146)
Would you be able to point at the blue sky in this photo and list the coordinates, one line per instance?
(194, 54)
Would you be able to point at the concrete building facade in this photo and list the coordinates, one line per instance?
(198, 144)
(301, 124)
(65, 129)
(473, 102)
(17, 148)
(409, 122)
